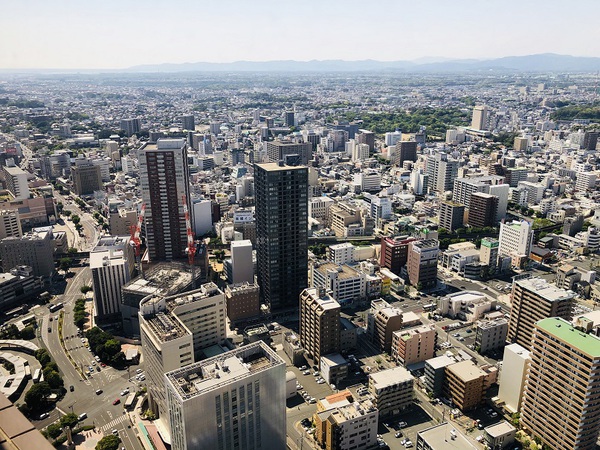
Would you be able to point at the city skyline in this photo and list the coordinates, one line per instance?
(121, 35)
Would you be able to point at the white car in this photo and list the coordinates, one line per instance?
(408, 444)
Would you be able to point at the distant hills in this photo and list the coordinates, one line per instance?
(546, 62)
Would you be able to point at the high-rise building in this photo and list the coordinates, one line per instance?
(405, 151)
(243, 301)
(441, 172)
(281, 232)
(535, 299)
(483, 210)
(175, 330)
(422, 262)
(366, 137)
(464, 188)
(87, 178)
(391, 390)
(489, 252)
(242, 269)
(394, 252)
(278, 149)
(451, 215)
(480, 118)
(164, 182)
(232, 401)
(319, 324)
(512, 377)
(16, 181)
(131, 126)
(562, 388)
(391, 139)
(188, 123)
(516, 239)
(34, 249)
(112, 264)
(419, 181)
(290, 119)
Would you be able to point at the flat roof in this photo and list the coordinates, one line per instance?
(466, 370)
(499, 429)
(545, 290)
(563, 330)
(390, 377)
(273, 167)
(439, 437)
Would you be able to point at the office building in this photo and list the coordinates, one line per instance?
(435, 373)
(164, 182)
(512, 377)
(242, 268)
(464, 188)
(19, 286)
(391, 390)
(480, 118)
(534, 299)
(488, 252)
(87, 178)
(34, 249)
(131, 126)
(243, 301)
(441, 172)
(466, 383)
(120, 221)
(232, 401)
(343, 423)
(405, 151)
(277, 150)
(562, 388)
(451, 216)
(112, 263)
(341, 253)
(188, 123)
(366, 137)
(515, 240)
(10, 225)
(15, 179)
(346, 285)
(483, 210)
(422, 263)
(394, 252)
(281, 232)
(391, 139)
(175, 330)
(413, 345)
(319, 324)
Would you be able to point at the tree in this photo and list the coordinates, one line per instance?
(28, 332)
(43, 357)
(53, 379)
(85, 289)
(66, 212)
(112, 347)
(36, 396)
(69, 420)
(75, 219)
(65, 264)
(54, 430)
(110, 442)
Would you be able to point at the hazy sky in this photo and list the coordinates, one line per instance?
(90, 34)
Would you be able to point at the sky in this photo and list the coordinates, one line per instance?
(117, 34)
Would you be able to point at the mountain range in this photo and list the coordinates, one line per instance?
(546, 62)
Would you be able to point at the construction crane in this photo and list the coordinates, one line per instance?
(135, 241)
(191, 247)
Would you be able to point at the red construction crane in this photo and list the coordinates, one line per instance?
(135, 241)
(191, 248)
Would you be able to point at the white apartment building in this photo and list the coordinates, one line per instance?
(345, 284)
(381, 207)
(341, 253)
(242, 268)
(112, 262)
(535, 191)
(16, 182)
(516, 239)
(585, 181)
(418, 181)
(391, 390)
(202, 212)
(369, 180)
(232, 401)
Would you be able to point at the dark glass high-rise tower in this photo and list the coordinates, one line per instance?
(281, 232)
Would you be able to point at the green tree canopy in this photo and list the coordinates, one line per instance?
(69, 420)
(36, 396)
(110, 442)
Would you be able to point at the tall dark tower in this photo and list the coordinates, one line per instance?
(164, 181)
(281, 232)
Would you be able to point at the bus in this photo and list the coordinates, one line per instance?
(37, 375)
(430, 307)
(54, 308)
(129, 402)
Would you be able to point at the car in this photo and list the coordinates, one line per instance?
(97, 358)
(316, 373)
(138, 371)
(115, 432)
(402, 424)
(44, 416)
(93, 363)
(99, 391)
(494, 414)
(312, 400)
(97, 368)
(71, 388)
(469, 331)
(303, 368)
(51, 318)
(82, 340)
(82, 416)
(125, 391)
(299, 386)
(398, 434)
(321, 381)
(117, 401)
(306, 372)
(103, 365)
(143, 378)
(49, 330)
(408, 444)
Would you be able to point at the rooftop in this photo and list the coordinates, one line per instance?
(325, 301)
(564, 331)
(499, 429)
(165, 278)
(205, 376)
(466, 370)
(389, 377)
(274, 167)
(547, 291)
(344, 271)
(445, 436)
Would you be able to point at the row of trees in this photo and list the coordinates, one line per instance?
(36, 397)
(106, 347)
(79, 313)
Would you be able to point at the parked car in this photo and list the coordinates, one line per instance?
(117, 401)
(99, 391)
(44, 416)
(71, 388)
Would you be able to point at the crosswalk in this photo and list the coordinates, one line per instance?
(113, 423)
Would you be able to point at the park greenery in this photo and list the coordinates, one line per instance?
(436, 120)
(79, 313)
(109, 442)
(12, 332)
(572, 112)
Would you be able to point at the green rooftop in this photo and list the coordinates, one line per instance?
(563, 330)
